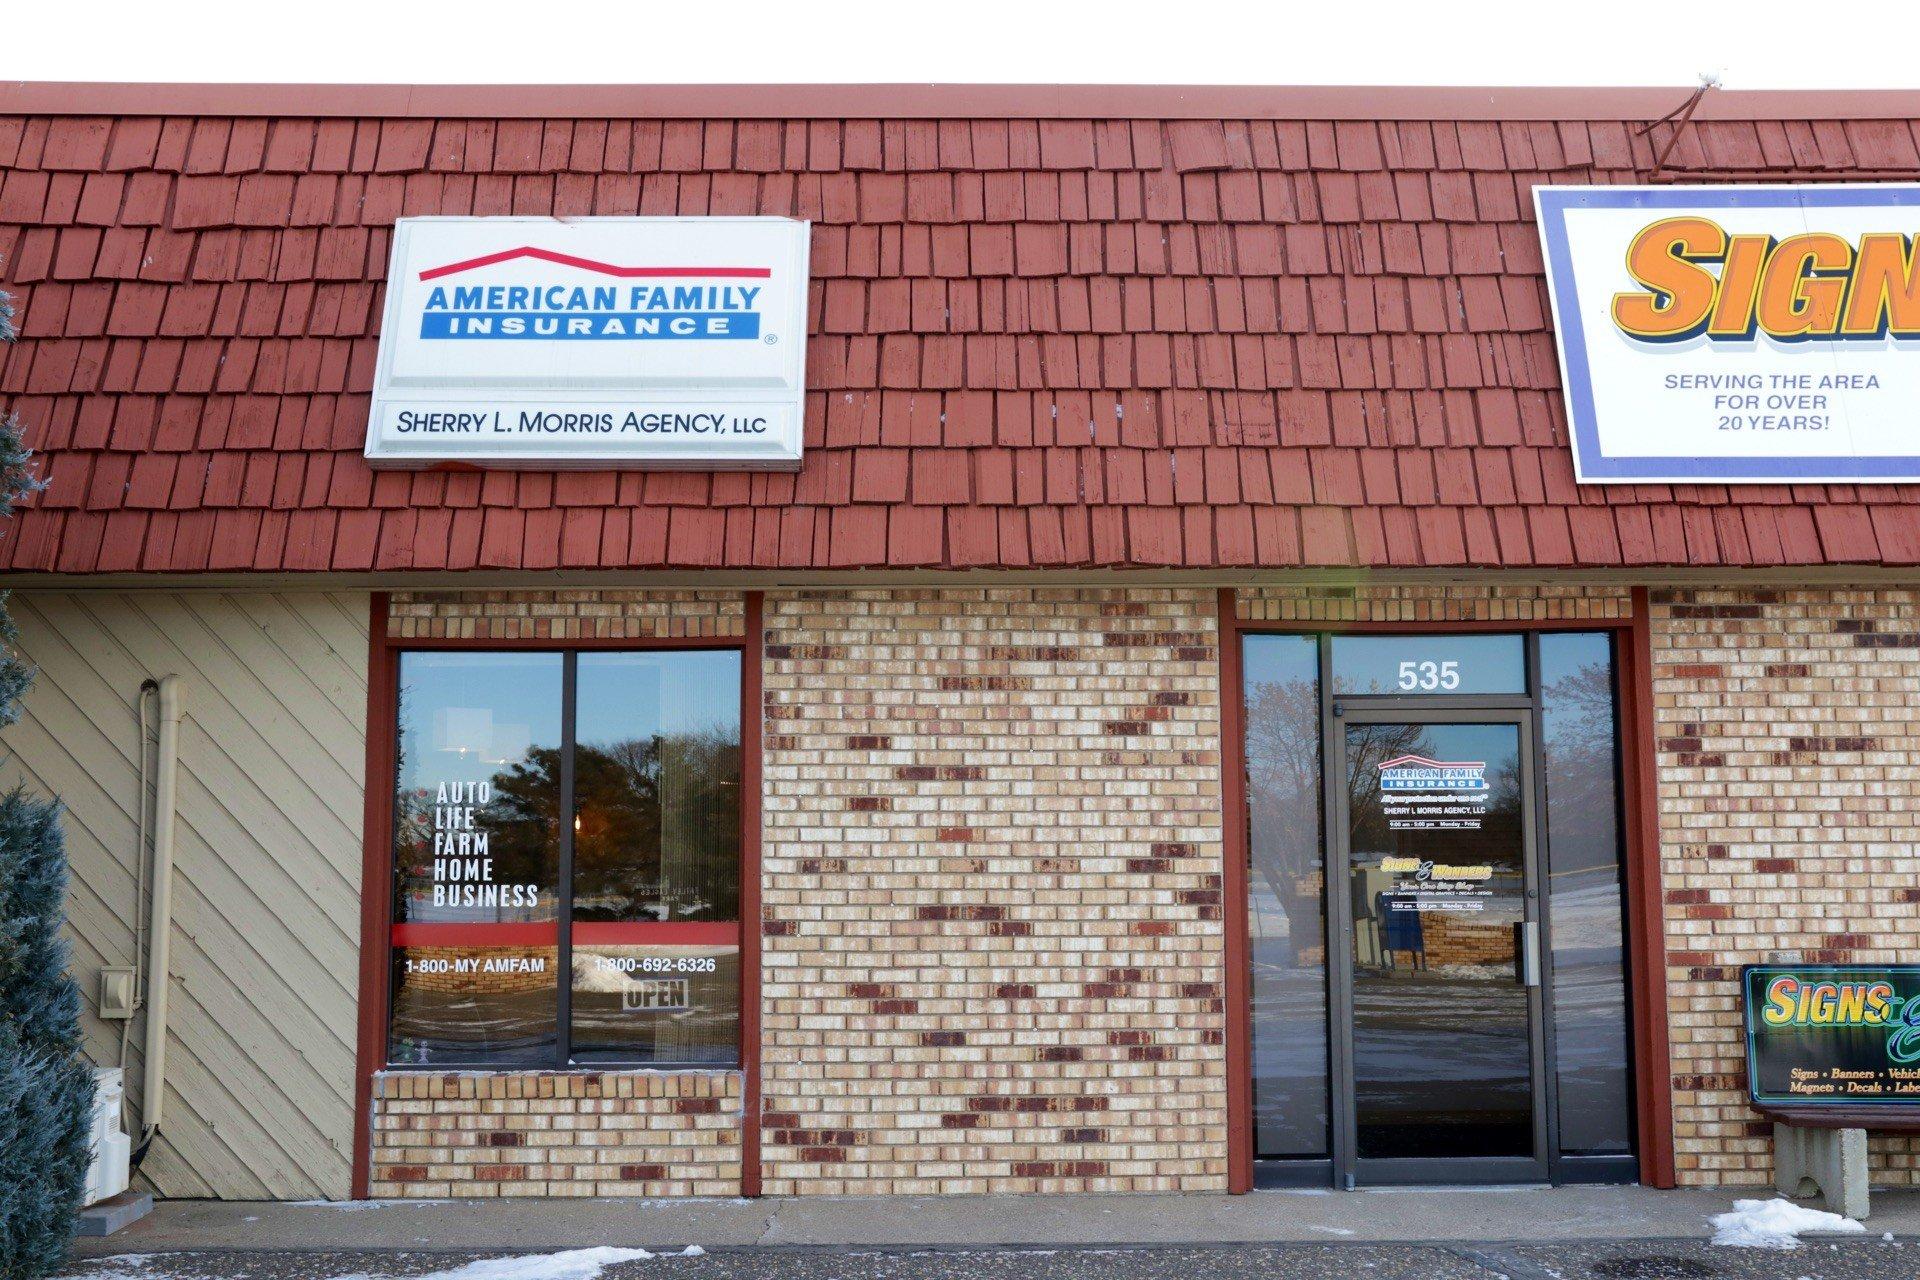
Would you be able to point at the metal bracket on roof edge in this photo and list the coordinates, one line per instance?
(1680, 117)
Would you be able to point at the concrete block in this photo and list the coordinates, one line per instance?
(114, 1212)
(1834, 1161)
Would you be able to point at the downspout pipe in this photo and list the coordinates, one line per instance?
(160, 912)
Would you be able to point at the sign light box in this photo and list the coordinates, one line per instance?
(1759, 334)
(593, 342)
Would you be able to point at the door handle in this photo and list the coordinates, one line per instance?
(1530, 953)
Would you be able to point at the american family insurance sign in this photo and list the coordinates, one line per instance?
(1737, 334)
(593, 342)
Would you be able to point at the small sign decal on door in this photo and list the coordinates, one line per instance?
(1418, 794)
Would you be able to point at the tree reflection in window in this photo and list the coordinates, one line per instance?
(1586, 888)
(1286, 922)
(657, 829)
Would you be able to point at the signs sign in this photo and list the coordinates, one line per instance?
(1425, 885)
(593, 342)
(1739, 333)
(1827, 1035)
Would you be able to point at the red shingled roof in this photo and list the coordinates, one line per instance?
(1194, 342)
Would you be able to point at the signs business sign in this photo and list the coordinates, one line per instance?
(1758, 334)
(593, 342)
(1832, 1035)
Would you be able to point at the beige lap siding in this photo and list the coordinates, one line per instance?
(552, 1133)
(994, 956)
(267, 850)
(1788, 727)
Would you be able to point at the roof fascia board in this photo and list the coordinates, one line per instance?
(940, 101)
(832, 580)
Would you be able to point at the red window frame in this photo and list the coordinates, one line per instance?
(379, 933)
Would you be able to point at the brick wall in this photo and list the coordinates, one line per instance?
(1451, 602)
(992, 892)
(581, 613)
(1788, 727)
(554, 1133)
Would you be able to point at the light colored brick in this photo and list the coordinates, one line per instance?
(1788, 749)
(992, 869)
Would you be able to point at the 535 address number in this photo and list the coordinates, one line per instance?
(1429, 676)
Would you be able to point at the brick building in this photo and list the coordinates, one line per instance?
(1018, 795)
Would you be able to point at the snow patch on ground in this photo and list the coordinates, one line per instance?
(1776, 1224)
(568, 1264)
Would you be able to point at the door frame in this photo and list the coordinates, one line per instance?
(1640, 835)
(1349, 1168)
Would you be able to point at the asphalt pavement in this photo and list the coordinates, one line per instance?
(1871, 1259)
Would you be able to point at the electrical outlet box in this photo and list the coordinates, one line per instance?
(116, 993)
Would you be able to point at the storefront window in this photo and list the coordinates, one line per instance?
(476, 859)
(1286, 894)
(656, 858)
(500, 791)
(1578, 741)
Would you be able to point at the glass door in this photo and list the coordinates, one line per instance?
(1438, 956)
(1435, 908)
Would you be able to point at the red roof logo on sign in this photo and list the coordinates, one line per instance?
(1422, 761)
(604, 268)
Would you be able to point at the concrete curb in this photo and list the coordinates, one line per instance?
(1441, 1217)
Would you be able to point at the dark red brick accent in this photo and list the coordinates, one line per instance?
(500, 1172)
(978, 913)
(824, 1155)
